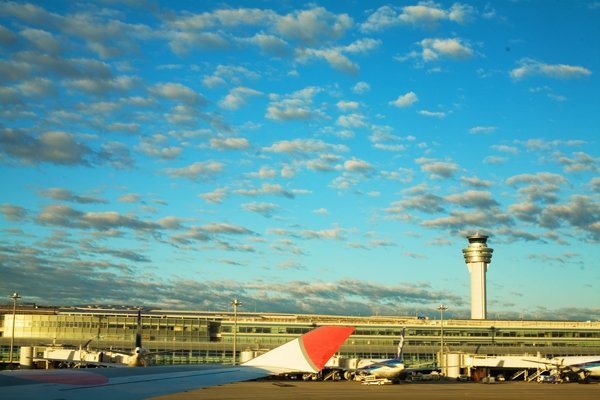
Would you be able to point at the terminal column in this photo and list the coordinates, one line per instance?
(478, 256)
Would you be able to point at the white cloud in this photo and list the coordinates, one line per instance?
(357, 165)
(335, 56)
(271, 189)
(216, 196)
(433, 49)
(383, 17)
(335, 233)
(197, 170)
(506, 149)
(351, 121)
(177, 91)
(229, 143)
(288, 172)
(304, 147)
(432, 114)
(271, 44)
(347, 105)
(314, 26)
(154, 146)
(437, 169)
(38, 87)
(425, 14)
(43, 40)
(264, 209)
(295, 106)
(321, 211)
(263, 173)
(383, 139)
(361, 87)
(237, 97)
(51, 147)
(405, 100)
(482, 129)
(473, 198)
(529, 67)
(185, 42)
(232, 74)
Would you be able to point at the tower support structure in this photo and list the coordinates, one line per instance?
(478, 257)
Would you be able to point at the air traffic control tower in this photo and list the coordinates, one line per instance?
(478, 257)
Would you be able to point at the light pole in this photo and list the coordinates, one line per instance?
(15, 296)
(442, 308)
(235, 303)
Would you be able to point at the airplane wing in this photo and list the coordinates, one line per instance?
(308, 353)
(582, 369)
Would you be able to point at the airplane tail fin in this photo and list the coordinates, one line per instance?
(138, 332)
(400, 355)
(308, 353)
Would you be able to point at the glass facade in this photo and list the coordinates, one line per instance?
(204, 337)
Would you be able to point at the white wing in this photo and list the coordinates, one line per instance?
(308, 353)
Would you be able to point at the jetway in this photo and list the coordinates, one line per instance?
(515, 362)
(512, 367)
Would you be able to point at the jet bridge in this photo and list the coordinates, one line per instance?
(514, 367)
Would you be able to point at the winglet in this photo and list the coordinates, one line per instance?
(308, 353)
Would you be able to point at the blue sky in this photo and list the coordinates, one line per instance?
(327, 157)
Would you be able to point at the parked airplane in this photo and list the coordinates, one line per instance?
(392, 369)
(308, 353)
(573, 368)
(138, 357)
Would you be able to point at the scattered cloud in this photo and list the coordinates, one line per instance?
(405, 100)
(482, 129)
(67, 195)
(12, 212)
(264, 209)
(296, 133)
(433, 114)
(229, 143)
(424, 14)
(361, 87)
(216, 196)
(237, 98)
(304, 147)
(296, 106)
(435, 49)
(437, 169)
(49, 147)
(197, 170)
(529, 67)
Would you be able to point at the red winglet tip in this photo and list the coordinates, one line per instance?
(321, 343)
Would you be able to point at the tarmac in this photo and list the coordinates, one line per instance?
(278, 390)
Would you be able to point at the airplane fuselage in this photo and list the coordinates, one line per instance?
(588, 363)
(388, 369)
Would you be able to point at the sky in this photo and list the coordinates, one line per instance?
(325, 157)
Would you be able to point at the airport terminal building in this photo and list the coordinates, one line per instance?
(179, 337)
(208, 337)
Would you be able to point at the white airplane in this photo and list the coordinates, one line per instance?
(308, 353)
(392, 369)
(573, 368)
(138, 357)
